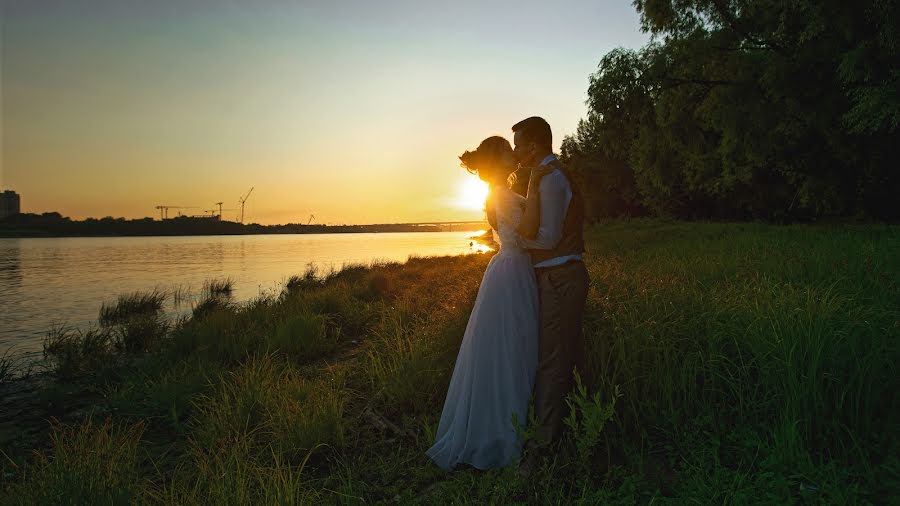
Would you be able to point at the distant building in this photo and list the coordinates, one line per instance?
(10, 204)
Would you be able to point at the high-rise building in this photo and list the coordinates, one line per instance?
(10, 204)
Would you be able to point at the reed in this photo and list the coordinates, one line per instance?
(140, 334)
(308, 280)
(8, 365)
(71, 352)
(218, 288)
(180, 295)
(211, 305)
(132, 305)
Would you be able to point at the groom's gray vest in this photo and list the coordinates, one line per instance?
(572, 241)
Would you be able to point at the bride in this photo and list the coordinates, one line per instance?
(495, 368)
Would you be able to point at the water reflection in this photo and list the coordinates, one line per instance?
(482, 242)
(480, 248)
(11, 281)
(10, 264)
(47, 281)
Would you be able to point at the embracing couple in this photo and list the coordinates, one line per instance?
(525, 331)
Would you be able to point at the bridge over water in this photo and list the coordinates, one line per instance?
(450, 226)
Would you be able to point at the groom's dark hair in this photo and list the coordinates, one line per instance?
(535, 129)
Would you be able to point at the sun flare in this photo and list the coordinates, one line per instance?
(472, 193)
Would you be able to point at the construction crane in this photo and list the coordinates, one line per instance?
(311, 217)
(243, 200)
(164, 210)
(212, 212)
(216, 213)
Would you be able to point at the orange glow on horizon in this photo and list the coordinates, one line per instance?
(342, 114)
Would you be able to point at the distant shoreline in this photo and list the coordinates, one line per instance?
(52, 225)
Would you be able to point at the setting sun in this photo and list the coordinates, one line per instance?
(472, 193)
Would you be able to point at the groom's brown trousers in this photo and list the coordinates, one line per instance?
(562, 291)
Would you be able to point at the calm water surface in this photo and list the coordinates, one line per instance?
(46, 282)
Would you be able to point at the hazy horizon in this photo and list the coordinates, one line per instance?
(353, 112)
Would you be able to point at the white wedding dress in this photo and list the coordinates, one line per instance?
(496, 365)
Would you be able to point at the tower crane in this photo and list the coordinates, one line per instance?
(311, 217)
(212, 212)
(243, 200)
(164, 210)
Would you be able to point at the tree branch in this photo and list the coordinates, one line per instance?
(723, 12)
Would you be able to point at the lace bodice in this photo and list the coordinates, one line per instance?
(509, 207)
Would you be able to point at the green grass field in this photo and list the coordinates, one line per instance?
(754, 364)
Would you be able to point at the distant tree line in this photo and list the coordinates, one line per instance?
(747, 109)
(53, 224)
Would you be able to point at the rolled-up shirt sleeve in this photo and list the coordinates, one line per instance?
(555, 197)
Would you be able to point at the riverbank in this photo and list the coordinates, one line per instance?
(54, 225)
(754, 364)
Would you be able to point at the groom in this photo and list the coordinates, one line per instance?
(552, 227)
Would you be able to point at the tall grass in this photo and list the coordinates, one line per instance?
(218, 287)
(310, 279)
(758, 322)
(8, 365)
(236, 474)
(136, 321)
(180, 294)
(271, 404)
(71, 352)
(213, 304)
(132, 305)
(725, 364)
(302, 335)
(90, 463)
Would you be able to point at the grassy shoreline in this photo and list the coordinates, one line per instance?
(756, 364)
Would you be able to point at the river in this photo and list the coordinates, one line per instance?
(64, 281)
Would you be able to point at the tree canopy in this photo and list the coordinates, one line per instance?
(746, 109)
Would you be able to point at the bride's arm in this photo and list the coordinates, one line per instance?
(531, 217)
(490, 208)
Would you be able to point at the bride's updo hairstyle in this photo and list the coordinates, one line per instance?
(487, 161)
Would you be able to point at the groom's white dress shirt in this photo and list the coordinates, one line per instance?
(555, 197)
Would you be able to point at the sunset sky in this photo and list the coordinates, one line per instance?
(354, 111)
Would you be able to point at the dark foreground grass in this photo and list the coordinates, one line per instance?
(727, 364)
